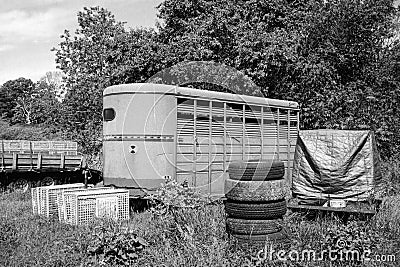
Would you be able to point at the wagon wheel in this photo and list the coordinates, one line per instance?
(2, 186)
(19, 185)
(46, 181)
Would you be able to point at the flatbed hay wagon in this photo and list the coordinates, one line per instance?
(34, 163)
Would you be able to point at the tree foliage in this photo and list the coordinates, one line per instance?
(16, 95)
(102, 52)
(332, 57)
(23, 101)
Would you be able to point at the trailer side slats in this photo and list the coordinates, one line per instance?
(224, 131)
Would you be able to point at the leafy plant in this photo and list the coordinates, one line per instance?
(112, 245)
(172, 195)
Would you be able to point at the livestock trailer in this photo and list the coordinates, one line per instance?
(151, 131)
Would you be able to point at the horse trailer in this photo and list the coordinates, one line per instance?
(151, 131)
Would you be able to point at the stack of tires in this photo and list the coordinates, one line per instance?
(255, 204)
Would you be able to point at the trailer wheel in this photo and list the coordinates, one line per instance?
(280, 238)
(253, 227)
(19, 185)
(256, 211)
(46, 181)
(262, 170)
(255, 190)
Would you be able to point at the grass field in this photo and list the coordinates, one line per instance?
(191, 237)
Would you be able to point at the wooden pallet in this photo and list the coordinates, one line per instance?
(360, 209)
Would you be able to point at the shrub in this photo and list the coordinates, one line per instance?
(172, 195)
(29, 132)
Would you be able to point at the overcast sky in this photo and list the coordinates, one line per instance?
(30, 28)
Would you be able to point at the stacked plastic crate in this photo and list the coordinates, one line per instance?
(81, 207)
(44, 198)
(76, 204)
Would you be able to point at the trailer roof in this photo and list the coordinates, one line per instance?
(163, 89)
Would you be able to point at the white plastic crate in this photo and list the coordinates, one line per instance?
(38, 195)
(62, 215)
(35, 201)
(44, 198)
(82, 207)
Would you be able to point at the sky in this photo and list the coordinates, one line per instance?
(30, 28)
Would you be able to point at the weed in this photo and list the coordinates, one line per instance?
(172, 195)
(112, 244)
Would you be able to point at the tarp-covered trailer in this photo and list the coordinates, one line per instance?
(153, 130)
(336, 170)
(24, 162)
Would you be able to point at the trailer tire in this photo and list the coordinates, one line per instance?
(46, 181)
(256, 211)
(253, 227)
(20, 184)
(280, 239)
(262, 170)
(255, 190)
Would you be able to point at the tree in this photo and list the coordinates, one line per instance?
(253, 37)
(46, 106)
(326, 55)
(101, 53)
(29, 103)
(299, 50)
(16, 97)
(55, 79)
(85, 60)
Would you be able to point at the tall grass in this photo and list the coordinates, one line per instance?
(184, 237)
(189, 236)
(28, 240)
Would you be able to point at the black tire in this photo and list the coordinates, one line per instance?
(256, 211)
(259, 191)
(21, 185)
(46, 181)
(253, 227)
(262, 170)
(280, 239)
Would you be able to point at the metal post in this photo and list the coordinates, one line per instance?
(39, 162)
(262, 132)
(30, 150)
(2, 155)
(194, 141)
(225, 137)
(289, 175)
(243, 130)
(209, 145)
(86, 178)
(278, 132)
(15, 161)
